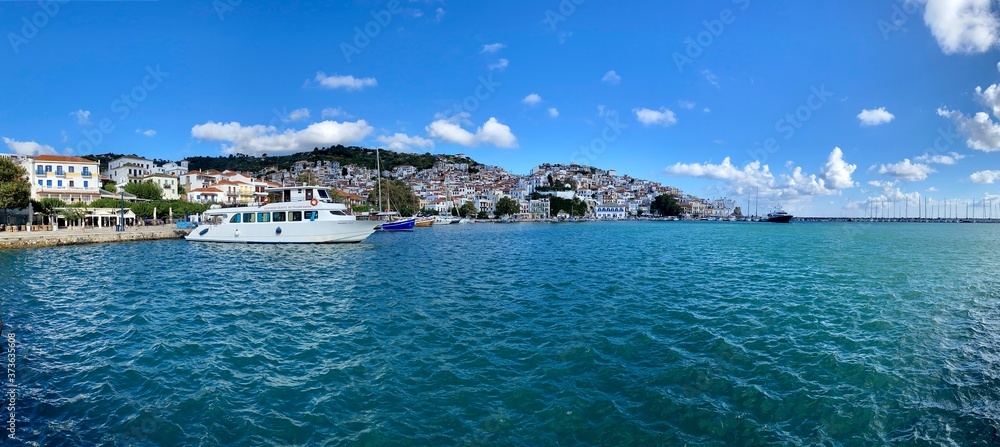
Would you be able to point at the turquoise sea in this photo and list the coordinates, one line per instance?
(645, 334)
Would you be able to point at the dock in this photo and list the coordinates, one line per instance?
(76, 236)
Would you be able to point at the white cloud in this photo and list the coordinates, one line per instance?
(401, 142)
(962, 26)
(347, 82)
(792, 186)
(495, 133)
(298, 115)
(990, 97)
(451, 132)
(686, 104)
(491, 132)
(755, 176)
(553, 112)
(932, 189)
(906, 170)
(438, 14)
(493, 47)
(611, 78)
(649, 117)
(148, 133)
(947, 159)
(532, 99)
(333, 112)
(837, 172)
(28, 147)
(499, 65)
(260, 139)
(981, 132)
(706, 110)
(82, 117)
(710, 77)
(875, 117)
(985, 176)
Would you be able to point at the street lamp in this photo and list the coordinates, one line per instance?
(121, 221)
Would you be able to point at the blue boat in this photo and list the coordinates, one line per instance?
(399, 225)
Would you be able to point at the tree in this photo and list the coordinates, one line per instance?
(110, 185)
(666, 205)
(146, 190)
(181, 191)
(467, 209)
(15, 191)
(483, 215)
(396, 195)
(507, 206)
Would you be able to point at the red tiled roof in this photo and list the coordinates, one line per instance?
(63, 158)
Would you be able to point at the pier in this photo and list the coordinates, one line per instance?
(77, 236)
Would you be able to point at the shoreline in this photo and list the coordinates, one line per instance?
(13, 240)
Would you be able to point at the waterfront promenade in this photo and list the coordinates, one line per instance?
(76, 236)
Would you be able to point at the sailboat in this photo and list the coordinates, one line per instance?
(394, 222)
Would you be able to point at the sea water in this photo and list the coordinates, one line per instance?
(647, 333)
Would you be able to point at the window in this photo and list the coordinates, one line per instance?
(235, 218)
(48, 183)
(311, 215)
(278, 216)
(338, 213)
(39, 183)
(86, 184)
(248, 217)
(70, 169)
(322, 193)
(70, 183)
(48, 168)
(295, 216)
(59, 184)
(263, 217)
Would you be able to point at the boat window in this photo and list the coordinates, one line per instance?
(338, 213)
(263, 217)
(235, 218)
(322, 194)
(278, 216)
(311, 215)
(248, 218)
(309, 194)
(295, 216)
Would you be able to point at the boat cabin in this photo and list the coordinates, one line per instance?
(300, 194)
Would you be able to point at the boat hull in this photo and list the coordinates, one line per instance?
(399, 225)
(779, 219)
(329, 232)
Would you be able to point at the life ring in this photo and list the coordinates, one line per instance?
(314, 202)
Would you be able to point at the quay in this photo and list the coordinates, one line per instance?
(76, 236)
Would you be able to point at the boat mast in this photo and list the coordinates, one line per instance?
(378, 173)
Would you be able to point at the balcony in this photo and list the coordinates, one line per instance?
(86, 174)
(60, 173)
(39, 171)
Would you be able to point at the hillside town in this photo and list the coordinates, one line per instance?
(441, 188)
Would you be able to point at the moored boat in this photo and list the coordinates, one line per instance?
(299, 215)
(778, 216)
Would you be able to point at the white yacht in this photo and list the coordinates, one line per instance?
(298, 215)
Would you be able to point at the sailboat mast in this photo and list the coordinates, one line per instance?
(378, 174)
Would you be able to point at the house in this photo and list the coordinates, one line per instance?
(610, 211)
(70, 179)
(206, 195)
(129, 169)
(167, 182)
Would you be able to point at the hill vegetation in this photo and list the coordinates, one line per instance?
(345, 155)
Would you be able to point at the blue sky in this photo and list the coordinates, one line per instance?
(825, 108)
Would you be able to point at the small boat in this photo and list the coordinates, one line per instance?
(424, 222)
(299, 215)
(398, 225)
(778, 216)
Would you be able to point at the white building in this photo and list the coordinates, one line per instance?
(167, 182)
(610, 211)
(70, 179)
(129, 169)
